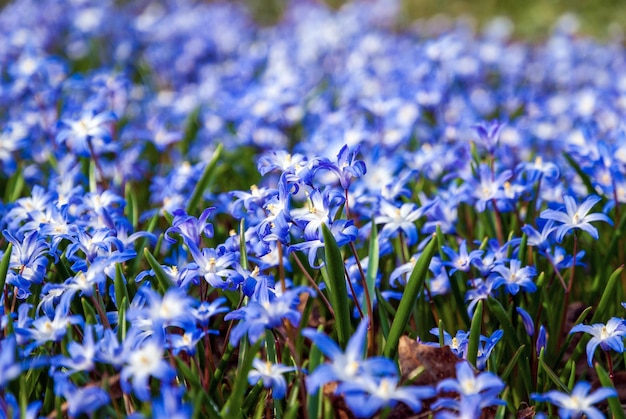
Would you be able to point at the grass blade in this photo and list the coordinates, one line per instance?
(552, 375)
(474, 337)
(163, 280)
(409, 298)
(235, 401)
(205, 180)
(4, 266)
(512, 363)
(583, 176)
(608, 294)
(372, 263)
(336, 283)
(614, 402)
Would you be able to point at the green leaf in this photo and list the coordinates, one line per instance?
(121, 292)
(578, 350)
(583, 176)
(4, 266)
(163, 280)
(409, 298)
(314, 401)
(252, 399)
(122, 327)
(184, 370)
(218, 375)
(512, 363)
(495, 308)
(192, 126)
(617, 235)
(242, 245)
(205, 180)
(292, 404)
(89, 312)
(131, 210)
(384, 314)
(608, 295)
(510, 336)
(454, 283)
(474, 336)
(336, 283)
(614, 402)
(373, 262)
(235, 401)
(552, 375)
(441, 335)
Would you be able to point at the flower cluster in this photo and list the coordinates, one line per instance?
(203, 216)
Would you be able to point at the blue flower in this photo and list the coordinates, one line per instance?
(542, 339)
(143, 359)
(191, 228)
(343, 231)
(540, 240)
(529, 325)
(367, 395)
(579, 402)
(486, 385)
(320, 209)
(169, 404)
(576, 217)
(399, 219)
(81, 357)
(516, 277)
(9, 368)
(45, 329)
(80, 400)
(265, 310)
(459, 344)
(462, 260)
(488, 187)
(271, 375)
(28, 261)
(345, 366)
(609, 336)
(347, 166)
(80, 135)
(215, 265)
(489, 134)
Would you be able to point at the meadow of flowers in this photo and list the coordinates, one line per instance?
(329, 217)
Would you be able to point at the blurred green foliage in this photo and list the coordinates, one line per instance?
(533, 19)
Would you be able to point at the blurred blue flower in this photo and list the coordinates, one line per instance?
(90, 132)
(489, 134)
(467, 384)
(576, 217)
(80, 400)
(609, 336)
(9, 368)
(461, 261)
(271, 375)
(515, 277)
(579, 402)
(143, 359)
(348, 366)
(265, 310)
(368, 394)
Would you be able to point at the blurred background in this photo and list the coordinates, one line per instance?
(533, 19)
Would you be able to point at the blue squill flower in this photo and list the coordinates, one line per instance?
(576, 217)
(609, 336)
(579, 402)
(271, 375)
